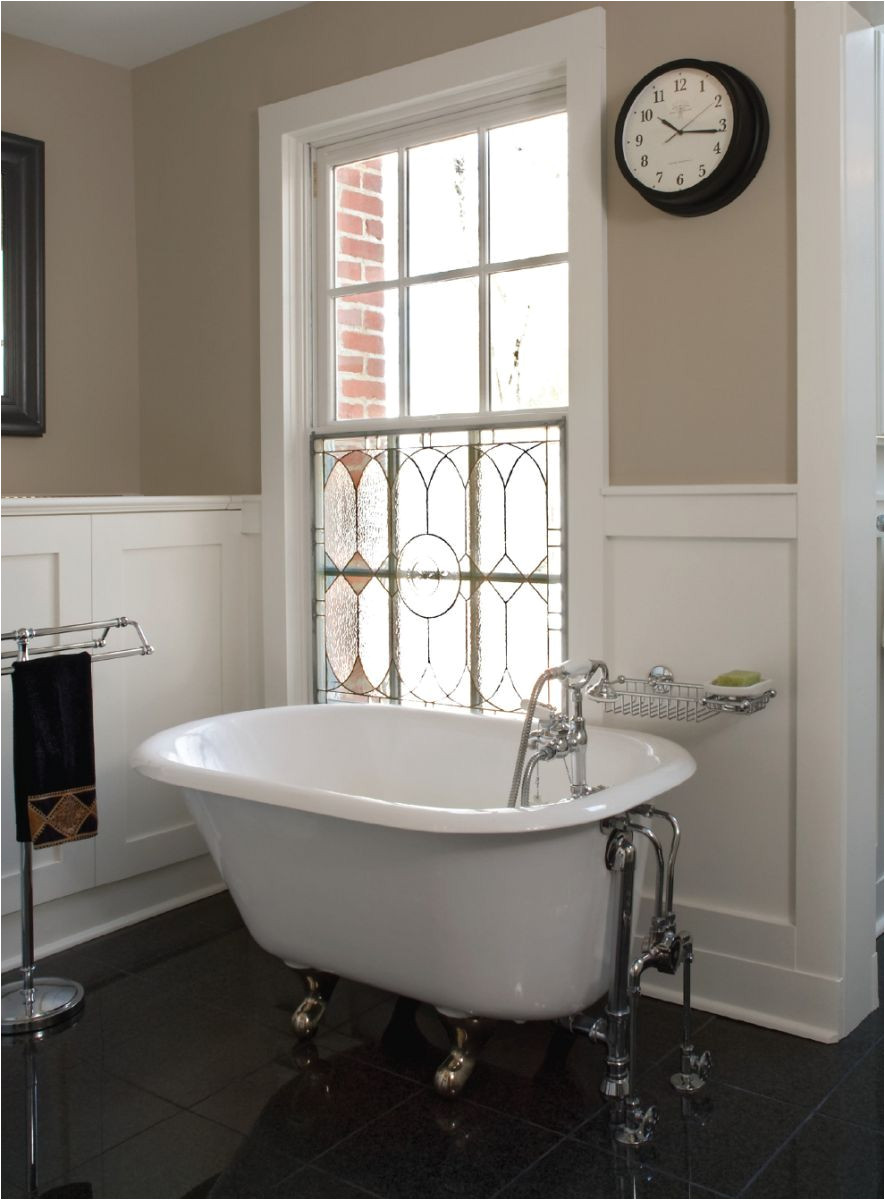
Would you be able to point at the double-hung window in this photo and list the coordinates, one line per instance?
(433, 375)
(441, 308)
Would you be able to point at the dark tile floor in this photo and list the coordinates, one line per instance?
(181, 1078)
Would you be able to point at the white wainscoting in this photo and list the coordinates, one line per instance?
(704, 580)
(187, 568)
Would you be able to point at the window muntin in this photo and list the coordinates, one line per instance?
(401, 227)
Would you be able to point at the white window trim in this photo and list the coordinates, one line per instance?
(570, 50)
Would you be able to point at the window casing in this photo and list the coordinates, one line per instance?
(568, 53)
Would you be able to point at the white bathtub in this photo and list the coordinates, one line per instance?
(376, 843)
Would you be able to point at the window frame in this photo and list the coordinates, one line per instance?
(568, 52)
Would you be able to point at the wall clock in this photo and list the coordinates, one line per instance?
(691, 135)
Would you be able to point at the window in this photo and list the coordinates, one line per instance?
(441, 309)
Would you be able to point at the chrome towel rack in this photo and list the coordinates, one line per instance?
(35, 1003)
(23, 638)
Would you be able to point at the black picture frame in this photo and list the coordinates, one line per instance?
(24, 412)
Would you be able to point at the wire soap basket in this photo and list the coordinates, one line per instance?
(660, 696)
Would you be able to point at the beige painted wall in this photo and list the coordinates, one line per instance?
(702, 311)
(82, 110)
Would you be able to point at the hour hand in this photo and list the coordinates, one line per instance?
(669, 124)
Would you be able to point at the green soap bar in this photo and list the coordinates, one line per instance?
(737, 679)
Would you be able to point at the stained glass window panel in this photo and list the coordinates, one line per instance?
(438, 566)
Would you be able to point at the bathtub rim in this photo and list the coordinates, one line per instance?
(156, 759)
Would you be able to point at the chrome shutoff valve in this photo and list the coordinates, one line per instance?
(639, 1126)
(695, 1071)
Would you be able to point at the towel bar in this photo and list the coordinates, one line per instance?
(35, 1003)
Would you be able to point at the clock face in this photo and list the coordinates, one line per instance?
(677, 129)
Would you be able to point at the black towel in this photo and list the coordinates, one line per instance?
(53, 749)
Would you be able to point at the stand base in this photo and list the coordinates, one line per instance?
(46, 1003)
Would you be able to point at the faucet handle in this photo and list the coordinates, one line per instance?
(544, 714)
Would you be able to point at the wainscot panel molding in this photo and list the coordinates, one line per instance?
(41, 506)
(752, 511)
(187, 569)
(704, 581)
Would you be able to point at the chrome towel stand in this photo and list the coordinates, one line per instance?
(35, 1003)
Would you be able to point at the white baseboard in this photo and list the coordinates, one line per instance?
(808, 1006)
(72, 920)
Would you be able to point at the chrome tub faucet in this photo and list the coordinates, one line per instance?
(559, 734)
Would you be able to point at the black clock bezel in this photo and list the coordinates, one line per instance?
(741, 160)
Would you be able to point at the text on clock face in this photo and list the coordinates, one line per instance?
(678, 130)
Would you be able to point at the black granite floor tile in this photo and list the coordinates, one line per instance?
(186, 1010)
(77, 964)
(152, 941)
(241, 1103)
(858, 1098)
(551, 1079)
(218, 912)
(349, 1001)
(233, 973)
(79, 1112)
(191, 1052)
(307, 1101)
(309, 1182)
(826, 1158)
(397, 1035)
(575, 1170)
(718, 1140)
(170, 1159)
(115, 1011)
(770, 1063)
(429, 1146)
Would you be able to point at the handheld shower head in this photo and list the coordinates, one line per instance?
(577, 672)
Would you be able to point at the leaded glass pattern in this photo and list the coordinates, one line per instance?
(439, 570)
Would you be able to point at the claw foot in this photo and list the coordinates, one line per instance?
(309, 1013)
(468, 1036)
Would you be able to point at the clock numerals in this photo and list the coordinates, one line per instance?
(659, 96)
(679, 85)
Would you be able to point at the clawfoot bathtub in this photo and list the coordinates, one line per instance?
(376, 842)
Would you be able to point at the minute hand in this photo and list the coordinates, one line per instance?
(684, 128)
